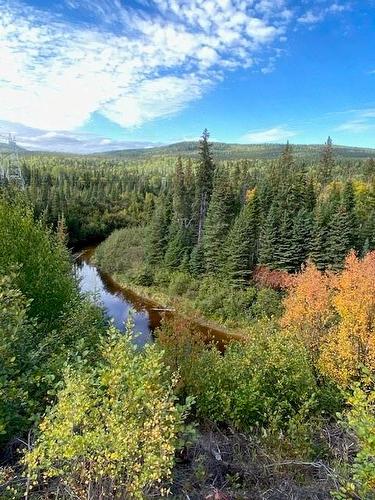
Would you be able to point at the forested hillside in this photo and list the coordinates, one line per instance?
(280, 251)
(223, 151)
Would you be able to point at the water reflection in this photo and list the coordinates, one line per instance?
(115, 300)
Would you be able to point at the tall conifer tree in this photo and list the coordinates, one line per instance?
(242, 243)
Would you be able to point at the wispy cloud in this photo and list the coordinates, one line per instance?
(275, 134)
(322, 10)
(132, 65)
(129, 64)
(360, 120)
(66, 142)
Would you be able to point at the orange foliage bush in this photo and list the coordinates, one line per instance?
(272, 278)
(308, 307)
(334, 314)
(353, 341)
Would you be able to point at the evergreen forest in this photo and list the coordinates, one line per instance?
(277, 252)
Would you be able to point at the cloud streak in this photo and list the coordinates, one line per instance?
(275, 134)
(131, 65)
(66, 142)
(361, 120)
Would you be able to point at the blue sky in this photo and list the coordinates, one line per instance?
(85, 75)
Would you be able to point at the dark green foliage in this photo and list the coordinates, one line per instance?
(178, 247)
(301, 238)
(197, 264)
(158, 231)
(43, 321)
(123, 251)
(44, 270)
(327, 162)
(269, 237)
(266, 380)
(219, 217)
(204, 184)
(241, 247)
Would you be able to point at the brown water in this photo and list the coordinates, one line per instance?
(119, 303)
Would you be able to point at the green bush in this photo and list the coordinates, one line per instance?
(122, 252)
(179, 284)
(267, 305)
(218, 299)
(267, 379)
(37, 340)
(44, 269)
(114, 429)
(360, 419)
(16, 340)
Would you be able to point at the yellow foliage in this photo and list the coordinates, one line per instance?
(308, 307)
(114, 427)
(334, 315)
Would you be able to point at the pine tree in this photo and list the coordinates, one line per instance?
(217, 225)
(348, 205)
(269, 237)
(287, 159)
(327, 162)
(62, 231)
(204, 183)
(319, 242)
(158, 231)
(178, 247)
(197, 264)
(301, 238)
(338, 244)
(284, 252)
(242, 243)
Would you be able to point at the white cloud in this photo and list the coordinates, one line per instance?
(322, 10)
(129, 64)
(361, 120)
(64, 141)
(275, 134)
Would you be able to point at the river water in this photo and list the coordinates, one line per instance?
(117, 302)
(120, 302)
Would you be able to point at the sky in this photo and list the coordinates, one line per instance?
(89, 75)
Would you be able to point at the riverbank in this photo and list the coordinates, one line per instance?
(151, 306)
(178, 305)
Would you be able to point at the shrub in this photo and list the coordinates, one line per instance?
(267, 378)
(16, 339)
(218, 299)
(267, 305)
(179, 284)
(44, 274)
(272, 278)
(360, 419)
(334, 315)
(144, 277)
(122, 251)
(114, 428)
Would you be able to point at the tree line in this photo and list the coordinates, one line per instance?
(214, 220)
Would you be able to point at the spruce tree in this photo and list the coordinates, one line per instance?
(319, 240)
(348, 205)
(204, 183)
(301, 238)
(269, 237)
(242, 243)
(218, 221)
(158, 231)
(284, 252)
(338, 244)
(327, 162)
(197, 264)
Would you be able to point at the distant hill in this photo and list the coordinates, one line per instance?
(4, 148)
(225, 151)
